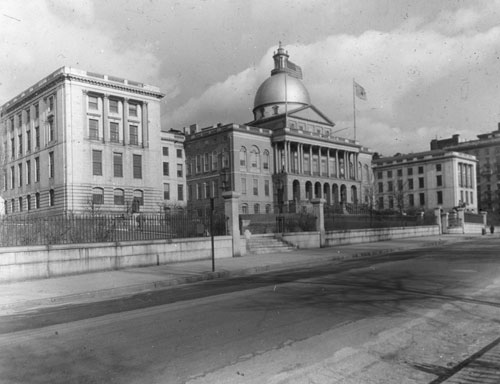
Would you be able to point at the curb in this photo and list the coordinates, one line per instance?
(115, 293)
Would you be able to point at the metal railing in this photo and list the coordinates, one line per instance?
(73, 229)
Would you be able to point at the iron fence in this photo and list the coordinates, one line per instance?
(335, 221)
(473, 218)
(72, 229)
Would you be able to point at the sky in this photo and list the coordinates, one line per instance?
(430, 69)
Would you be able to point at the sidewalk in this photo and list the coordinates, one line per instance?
(29, 295)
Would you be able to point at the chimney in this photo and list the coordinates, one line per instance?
(193, 128)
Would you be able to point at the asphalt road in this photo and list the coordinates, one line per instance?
(410, 317)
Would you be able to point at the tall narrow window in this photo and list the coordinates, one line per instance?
(96, 162)
(114, 132)
(166, 168)
(37, 169)
(117, 164)
(52, 198)
(179, 170)
(28, 172)
(255, 187)
(20, 143)
(51, 129)
(37, 111)
(266, 187)
(165, 151)
(137, 166)
(37, 137)
(166, 191)
(28, 140)
(51, 165)
(179, 153)
(28, 202)
(134, 134)
(37, 200)
(94, 129)
(51, 103)
(265, 160)
(180, 192)
(12, 177)
(243, 157)
(20, 173)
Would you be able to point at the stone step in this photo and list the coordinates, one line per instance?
(259, 245)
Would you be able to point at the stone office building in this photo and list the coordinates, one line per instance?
(281, 160)
(79, 141)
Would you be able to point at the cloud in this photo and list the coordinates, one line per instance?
(40, 36)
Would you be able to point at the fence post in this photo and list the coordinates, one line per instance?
(461, 218)
(485, 218)
(318, 209)
(231, 199)
(437, 215)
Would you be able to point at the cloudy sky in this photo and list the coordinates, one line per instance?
(430, 68)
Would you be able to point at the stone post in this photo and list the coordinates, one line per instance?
(445, 221)
(437, 215)
(485, 221)
(231, 199)
(461, 218)
(318, 210)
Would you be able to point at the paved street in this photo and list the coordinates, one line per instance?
(422, 316)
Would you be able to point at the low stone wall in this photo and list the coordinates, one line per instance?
(303, 240)
(333, 238)
(475, 228)
(38, 262)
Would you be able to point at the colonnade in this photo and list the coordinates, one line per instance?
(314, 160)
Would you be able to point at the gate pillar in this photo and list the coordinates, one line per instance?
(318, 209)
(231, 199)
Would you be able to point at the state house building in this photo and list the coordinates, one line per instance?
(281, 160)
(78, 140)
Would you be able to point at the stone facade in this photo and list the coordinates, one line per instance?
(78, 141)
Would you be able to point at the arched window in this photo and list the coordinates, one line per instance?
(138, 197)
(243, 157)
(255, 158)
(244, 208)
(97, 196)
(268, 208)
(256, 208)
(52, 198)
(119, 197)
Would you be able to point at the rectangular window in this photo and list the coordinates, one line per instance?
(37, 200)
(96, 162)
(117, 164)
(179, 170)
(134, 134)
(389, 186)
(37, 137)
(214, 161)
(215, 188)
(243, 186)
(166, 191)
(37, 169)
(113, 106)
(421, 182)
(400, 172)
(12, 177)
(411, 200)
(380, 187)
(28, 202)
(28, 141)
(206, 163)
(380, 175)
(94, 129)
(132, 110)
(198, 163)
(420, 170)
(255, 187)
(389, 174)
(51, 129)
(13, 147)
(137, 164)
(165, 151)
(207, 190)
(422, 199)
(266, 187)
(410, 171)
(51, 165)
(439, 197)
(439, 180)
(20, 143)
(410, 183)
(438, 167)
(166, 169)
(98, 196)
(93, 103)
(51, 103)
(114, 132)
(180, 192)
(179, 153)
(20, 173)
(28, 172)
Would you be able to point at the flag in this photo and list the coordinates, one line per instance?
(360, 91)
(293, 70)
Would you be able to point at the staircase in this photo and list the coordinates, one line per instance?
(259, 244)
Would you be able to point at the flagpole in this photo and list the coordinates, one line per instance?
(354, 105)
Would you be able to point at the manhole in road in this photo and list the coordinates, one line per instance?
(481, 367)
